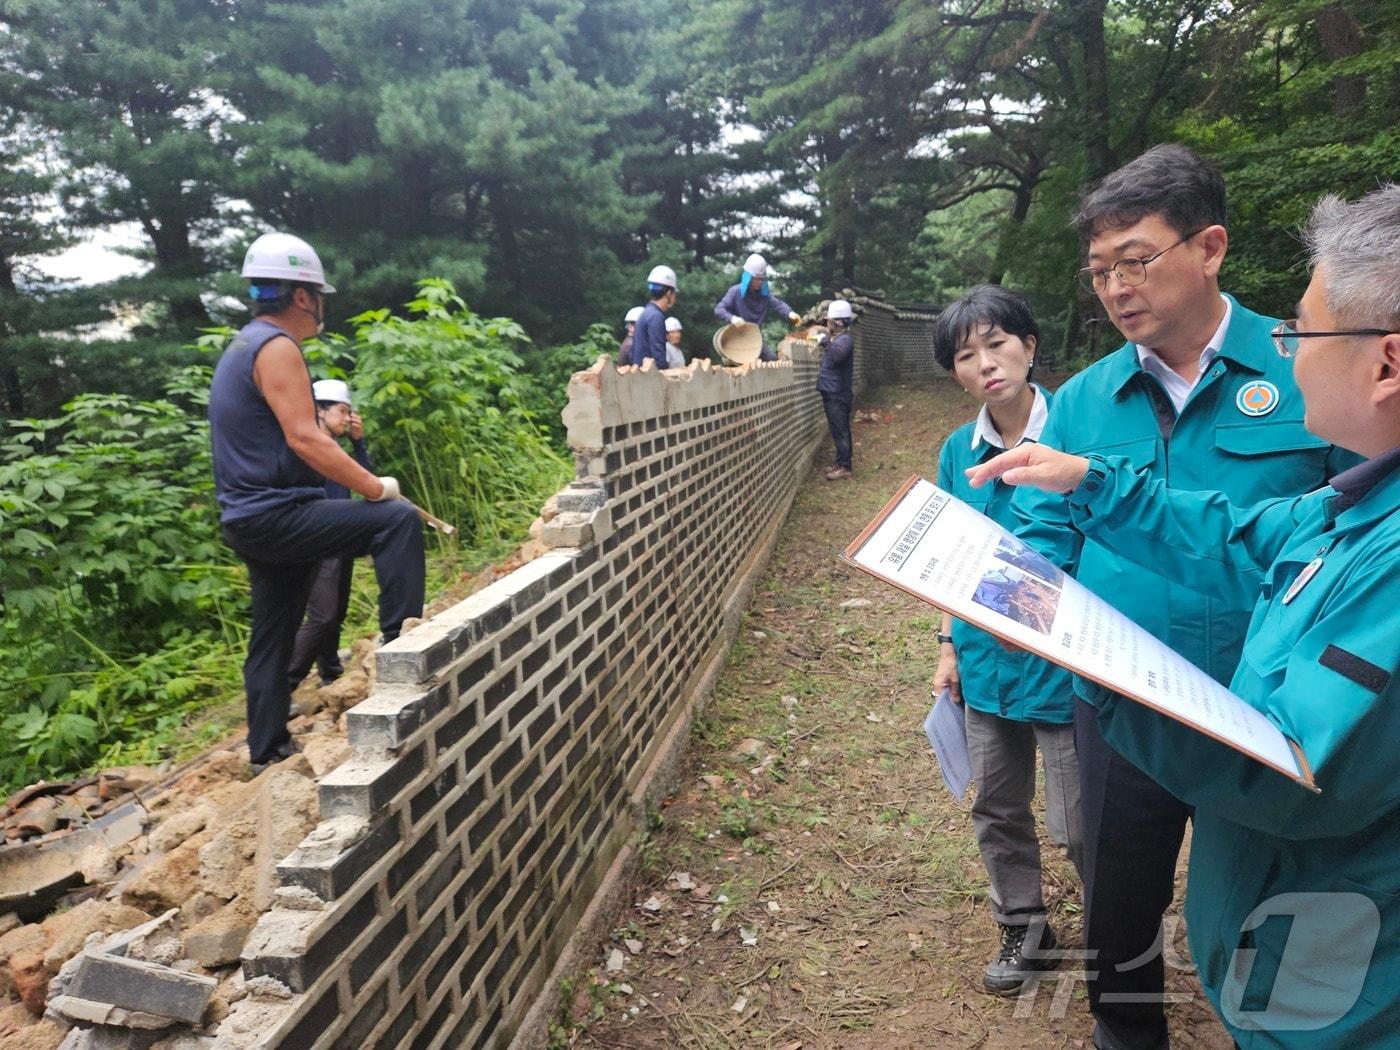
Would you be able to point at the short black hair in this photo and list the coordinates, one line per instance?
(985, 305)
(272, 297)
(1185, 189)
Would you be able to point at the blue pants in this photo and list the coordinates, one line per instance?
(283, 549)
(838, 421)
(1133, 828)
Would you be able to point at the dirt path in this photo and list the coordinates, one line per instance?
(812, 884)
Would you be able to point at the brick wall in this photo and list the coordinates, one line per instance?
(512, 743)
(504, 757)
(894, 342)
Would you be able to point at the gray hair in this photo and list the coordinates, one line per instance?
(1359, 243)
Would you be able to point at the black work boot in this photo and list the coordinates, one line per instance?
(1021, 957)
(285, 750)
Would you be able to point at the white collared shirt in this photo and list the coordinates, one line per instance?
(986, 430)
(1178, 389)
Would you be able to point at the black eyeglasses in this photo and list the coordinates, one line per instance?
(1132, 272)
(1286, 336)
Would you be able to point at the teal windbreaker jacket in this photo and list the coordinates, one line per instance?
(1293, 898)
(1019, 686)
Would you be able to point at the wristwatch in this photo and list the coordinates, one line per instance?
(945, 639)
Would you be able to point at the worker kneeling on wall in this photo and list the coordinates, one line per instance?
(271, 465)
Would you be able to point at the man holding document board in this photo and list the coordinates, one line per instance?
(1198, 398)
(1293, 903)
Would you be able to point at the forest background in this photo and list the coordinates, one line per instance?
(510, 169)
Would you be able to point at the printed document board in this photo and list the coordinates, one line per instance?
(937, 548)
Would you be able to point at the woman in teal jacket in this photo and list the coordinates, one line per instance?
(1013, 701)
(1293, 899)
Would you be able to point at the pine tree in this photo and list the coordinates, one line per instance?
(123, 87)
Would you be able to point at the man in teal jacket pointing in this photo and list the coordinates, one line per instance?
(1293, 898)
(1198, 398)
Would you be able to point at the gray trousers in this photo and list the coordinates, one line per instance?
(1003, 765)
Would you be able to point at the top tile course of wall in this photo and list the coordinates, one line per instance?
(494, 766)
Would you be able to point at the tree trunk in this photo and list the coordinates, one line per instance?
(9, 374)
(1020, 208)
(826, 275)
(177, 260)
(700, 247)
(506, 240)
(1341, 37)
(848, 251)
(1098, 147)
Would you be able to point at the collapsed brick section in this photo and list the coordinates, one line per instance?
(498, 767)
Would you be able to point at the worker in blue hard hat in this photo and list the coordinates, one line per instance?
(751, 301)
(649, 341)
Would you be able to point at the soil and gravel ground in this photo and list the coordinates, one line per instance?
(812, 883)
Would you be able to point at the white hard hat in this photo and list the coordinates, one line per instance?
(757, 265)
(331, 390)
(839, 310)
(673, 324)
(631, 316)
(282, 257)
(663, 275)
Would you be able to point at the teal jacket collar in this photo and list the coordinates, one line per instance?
(1381, 497)
(1248, 342)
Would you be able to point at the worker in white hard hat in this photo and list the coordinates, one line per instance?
(675, 356)
(271, 464)
(649, 341)
(836, 385)
(318, 639)
(751, 301)
(629, 322)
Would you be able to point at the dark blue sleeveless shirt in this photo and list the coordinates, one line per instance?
(255, 469)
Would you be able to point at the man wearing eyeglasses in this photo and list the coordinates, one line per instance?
(1197, 398)
(1293, 903)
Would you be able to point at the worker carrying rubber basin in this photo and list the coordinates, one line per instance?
(747, 305)
(740, 344)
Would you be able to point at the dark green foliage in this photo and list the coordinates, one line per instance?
(468, 138)
(1305, 103)
(541, 154)
(49, 371)
(442, 389)
(122, 614)
(114, 582)
(544, 390)
(124, 86)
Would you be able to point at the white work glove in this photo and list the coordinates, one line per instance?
(737, 322)
(389, 491)
(794, 317)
